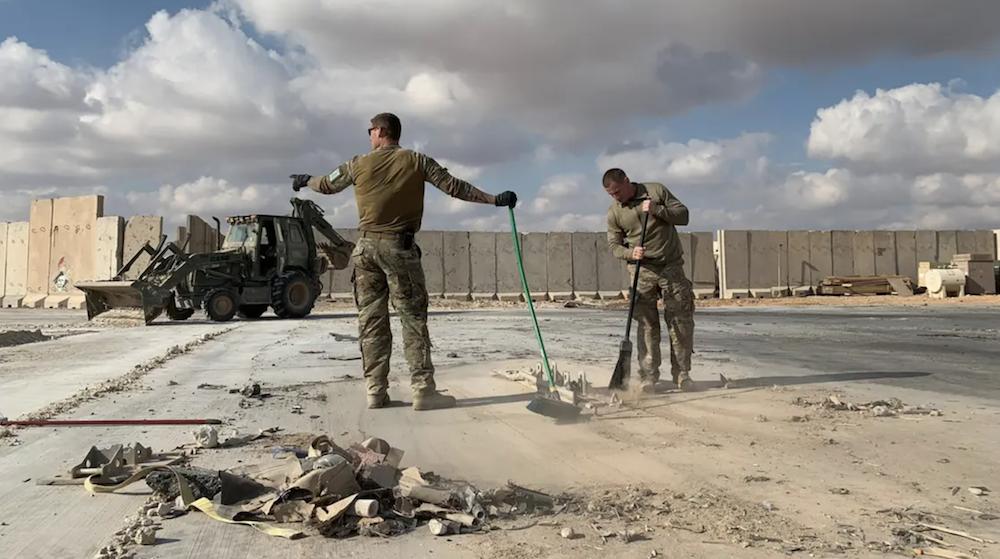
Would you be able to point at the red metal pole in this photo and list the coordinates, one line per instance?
(93, 422)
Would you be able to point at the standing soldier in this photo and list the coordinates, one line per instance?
(661, 261)
(389, 189)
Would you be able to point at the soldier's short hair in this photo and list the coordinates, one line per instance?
(390, 123)
(614, 175)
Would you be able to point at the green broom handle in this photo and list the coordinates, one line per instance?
(527, 296)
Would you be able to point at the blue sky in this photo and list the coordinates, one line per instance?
(174, 107)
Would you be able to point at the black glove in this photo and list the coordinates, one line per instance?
(506, 198)
(299, 181)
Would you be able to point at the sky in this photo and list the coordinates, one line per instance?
(771, 114)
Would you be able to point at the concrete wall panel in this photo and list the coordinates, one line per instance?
(768, 260)
(685, 239)
(457, 264)
(820, 256)
(3, 259)
(110, 240)
(16, 264)
(585, 264)
(39, 252)
(926, 246)
(609, 270)
(702, 259)
(483, 255)
(559, 253)
(431, 245)
(947, 245)
(966, 242)
(885, 253)
(533, 252)
(906, 254)
(985, 243)
(73, 252)
(200, 234)
(843, 252)
(139, 230)
(508, 279)
(337, 283)
(864, 253)
(799, 272)
(734, 264)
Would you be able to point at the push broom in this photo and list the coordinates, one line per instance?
(545, 403)
(624, 366)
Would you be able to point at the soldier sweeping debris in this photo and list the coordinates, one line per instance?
(661, 261)
(389, 189)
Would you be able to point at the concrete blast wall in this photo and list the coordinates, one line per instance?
(39, 253)
(72, 256)
(15, 264)
(139, 230)
(110, 243)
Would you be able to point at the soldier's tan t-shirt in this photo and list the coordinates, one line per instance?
(663, 245)
(389, 187)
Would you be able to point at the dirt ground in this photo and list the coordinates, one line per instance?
(757, 461)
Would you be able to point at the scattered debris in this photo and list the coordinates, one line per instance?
(878, 408)
(206, 437)
(210, 386)
(753, 479)
(840, 491)
(979, 491)
(452, 355)
(19, 337)
(568, 533)
(760, 419)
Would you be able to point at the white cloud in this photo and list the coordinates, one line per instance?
(915, 129)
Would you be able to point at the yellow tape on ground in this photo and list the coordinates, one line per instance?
(187, 498)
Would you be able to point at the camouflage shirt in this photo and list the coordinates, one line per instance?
(663, 245)
(389, 187)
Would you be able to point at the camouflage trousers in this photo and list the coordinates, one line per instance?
(670, 284)
(384, 271)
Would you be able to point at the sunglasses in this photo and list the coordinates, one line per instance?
(373, 128)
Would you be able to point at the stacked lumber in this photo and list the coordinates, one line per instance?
(863, 285)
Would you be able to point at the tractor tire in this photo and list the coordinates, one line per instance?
(292, 295)
(174, 313)
(251, 312)
(221, 305)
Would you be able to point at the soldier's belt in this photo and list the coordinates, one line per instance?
(405, 239)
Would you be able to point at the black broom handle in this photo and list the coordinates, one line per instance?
(635, 279)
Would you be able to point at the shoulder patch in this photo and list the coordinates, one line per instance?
(334, 175)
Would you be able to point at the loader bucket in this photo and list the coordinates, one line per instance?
(134, 299)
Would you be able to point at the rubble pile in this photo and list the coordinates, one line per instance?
(876, 408)
(342, 492)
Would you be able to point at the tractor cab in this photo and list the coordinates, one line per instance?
(271, 243)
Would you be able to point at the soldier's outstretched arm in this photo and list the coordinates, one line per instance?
(437, 175)
(339, 179)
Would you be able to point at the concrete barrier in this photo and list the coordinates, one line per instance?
(926, 246)
(559, 256)
(906, 254)
(843, 252)
(864, 253)
(139, 230)
(820, 256)
(457, 263)
(110, 241)
(610, 284)
(508, 279)
(585, 264)
(181, 240)
(3, 259)
(73, 248)
(685, 240)
(768, 261)
(39, 253)
(965, 242)
(734, 264)
(483, 262)
(702, 258)
(947, 245)
(201, 235)
(799, 269)
(431, 245)
(16, 264)
(985, 243)
(533, 253)
(885, 253)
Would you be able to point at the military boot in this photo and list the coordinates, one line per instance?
(684, 381)
(376, 401)
(432, 401)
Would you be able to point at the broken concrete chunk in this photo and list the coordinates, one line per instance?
(203, 482)
(383, 475)
(164, 510)
(335, 480)
(882, 411)
(145, 536)
(206, 437)
(979, 491)
(442, 527)
(292, 511)
(567, 533)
